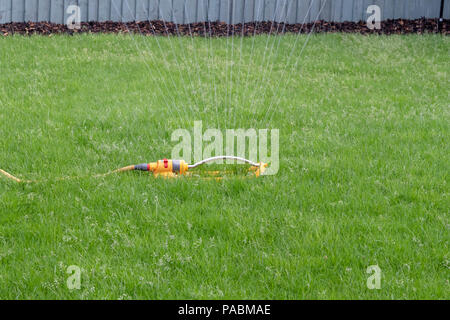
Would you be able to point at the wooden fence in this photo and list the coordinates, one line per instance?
(230, 11)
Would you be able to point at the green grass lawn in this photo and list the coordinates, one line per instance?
(363, 179)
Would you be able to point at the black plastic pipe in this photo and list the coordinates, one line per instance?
(441, 16)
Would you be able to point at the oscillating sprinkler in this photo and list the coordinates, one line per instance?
(173, 168)
(165, 168)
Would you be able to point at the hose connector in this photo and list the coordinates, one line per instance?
(164, 167)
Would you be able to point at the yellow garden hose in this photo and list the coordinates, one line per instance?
(11, 177)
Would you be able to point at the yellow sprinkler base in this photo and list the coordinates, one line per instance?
(175, 168)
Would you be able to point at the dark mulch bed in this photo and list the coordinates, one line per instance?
(398, 26)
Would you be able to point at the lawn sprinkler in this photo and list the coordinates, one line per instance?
(175, 168)
(169, 169)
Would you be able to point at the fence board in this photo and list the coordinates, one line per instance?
(414, 9)
(347, 10)
(178, 11)
(93, 10)
(153, 10)
(142, 10)
(292, 11)
(5, 11)
(104, 10)
(388, 10)
(446, 10)
(238, 12)
(269, 10)
(326, 10)
(190, 11)
(225, 10)
(278, 11)
(304, 10)
(336, 10)
(84, 7)
(202, 13)
(18, 11)
(431, 9)
(116, 10)
(258, 12)
(398, 9)
(57, 11)
(165, 10)
(359, 10)
(31, 10)
(365, 5)
(434, 9)
(315, 10)
(249, 10)
(128, 10)
(214, 10)
(281, 10)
